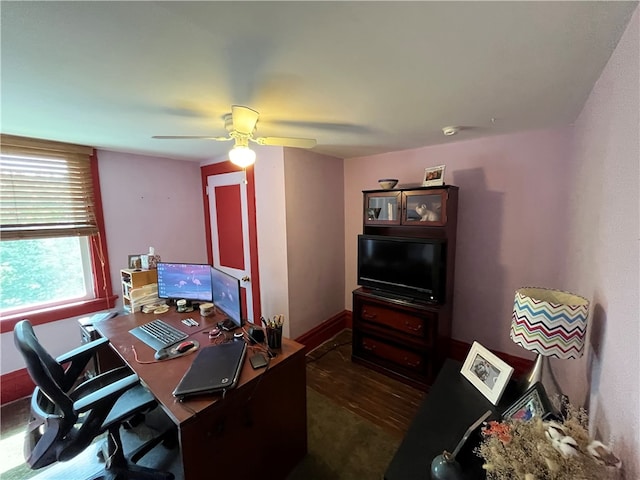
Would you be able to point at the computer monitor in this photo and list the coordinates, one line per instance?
(189, 281)
(226, 298)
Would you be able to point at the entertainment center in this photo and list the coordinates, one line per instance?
(406, 262)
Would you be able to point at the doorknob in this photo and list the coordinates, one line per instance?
(245, 279)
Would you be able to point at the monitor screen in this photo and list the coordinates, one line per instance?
(413, 267)
(189, 281)
(226, 295)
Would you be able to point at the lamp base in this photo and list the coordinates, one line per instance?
(445, 467)
(541, 372)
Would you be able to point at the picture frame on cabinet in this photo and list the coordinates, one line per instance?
(433, 176)
(135, 261)
(486, 372)
(533, 403)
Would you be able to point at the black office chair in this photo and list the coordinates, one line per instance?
(66, 416)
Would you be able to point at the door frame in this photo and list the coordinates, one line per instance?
(219, 169)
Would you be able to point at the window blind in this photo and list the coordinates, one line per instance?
(46, 189)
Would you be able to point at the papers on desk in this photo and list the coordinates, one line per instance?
(145, 297)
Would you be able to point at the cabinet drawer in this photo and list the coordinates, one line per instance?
(398, 320)
(404, 358)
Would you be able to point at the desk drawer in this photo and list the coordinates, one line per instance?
(418, 326)
(404, 358)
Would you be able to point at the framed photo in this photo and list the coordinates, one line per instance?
(135, 261)
(533, 403)
(433, 176)
(486, 372)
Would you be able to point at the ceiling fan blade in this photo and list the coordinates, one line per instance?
(191, 137)
(244, 119)
(286, 142)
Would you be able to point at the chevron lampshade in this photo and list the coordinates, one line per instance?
(549, 322)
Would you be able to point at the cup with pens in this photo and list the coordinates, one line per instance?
(274, 331)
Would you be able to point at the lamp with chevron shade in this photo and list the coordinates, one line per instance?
(551, 323)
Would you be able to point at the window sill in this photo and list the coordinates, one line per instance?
(39, 317)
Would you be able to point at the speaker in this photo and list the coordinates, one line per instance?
(256, 335)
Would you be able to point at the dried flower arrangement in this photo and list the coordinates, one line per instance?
(546, 450)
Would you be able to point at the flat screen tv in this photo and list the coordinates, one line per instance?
(408, 267)
(189, 281)
(226, 298)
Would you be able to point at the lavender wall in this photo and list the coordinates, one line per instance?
(150, 201)
(271, 224)
(147, 201)
(603, 261)
(511, 216)
(315, 238)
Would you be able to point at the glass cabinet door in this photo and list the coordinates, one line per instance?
(425, 207)
(382, 208)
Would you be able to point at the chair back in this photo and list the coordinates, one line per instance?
(53, 416)
(45, 372)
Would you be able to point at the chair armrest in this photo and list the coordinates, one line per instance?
(107, 393)
(82, 350)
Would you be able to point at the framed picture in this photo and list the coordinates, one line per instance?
(433, 176)
(135, 261)
(486, 372)
(533, 403)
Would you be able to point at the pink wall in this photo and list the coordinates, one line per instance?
(512, 210)
(315, 237)
(271, 224)
(150, 201)
(603, 261)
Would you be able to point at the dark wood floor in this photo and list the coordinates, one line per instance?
(384, 401)
(14, 417)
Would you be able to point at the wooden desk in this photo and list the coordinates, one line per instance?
(259, 430)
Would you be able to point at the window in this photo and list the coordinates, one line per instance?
(53, 264)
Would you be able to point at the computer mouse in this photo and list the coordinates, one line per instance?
(185, 346)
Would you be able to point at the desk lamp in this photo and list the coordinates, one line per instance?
(551, 323)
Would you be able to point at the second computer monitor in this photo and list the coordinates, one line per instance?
(226, 295)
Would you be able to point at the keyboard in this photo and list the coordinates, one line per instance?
(158, 334)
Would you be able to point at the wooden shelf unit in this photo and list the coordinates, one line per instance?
(131, 279)
(407, 339)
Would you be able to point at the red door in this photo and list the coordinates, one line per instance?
(230, 222)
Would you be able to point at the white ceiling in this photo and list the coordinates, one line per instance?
(360, 77)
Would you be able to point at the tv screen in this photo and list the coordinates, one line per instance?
(189, 281)
(226, 297)
(411, 267)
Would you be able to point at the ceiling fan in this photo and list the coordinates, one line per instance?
(241, 125)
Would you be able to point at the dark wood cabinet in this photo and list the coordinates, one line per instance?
(421, 207)
(406, 338)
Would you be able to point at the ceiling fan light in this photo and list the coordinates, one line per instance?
(242, 156)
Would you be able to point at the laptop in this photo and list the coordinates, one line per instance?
(215, 368)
